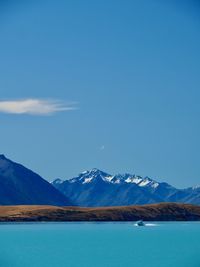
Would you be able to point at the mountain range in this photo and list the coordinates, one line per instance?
(95, 188)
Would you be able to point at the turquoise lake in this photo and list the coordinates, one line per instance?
(100, 245)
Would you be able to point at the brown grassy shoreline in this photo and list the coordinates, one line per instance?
(153, 212)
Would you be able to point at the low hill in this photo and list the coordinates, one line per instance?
(153, 212)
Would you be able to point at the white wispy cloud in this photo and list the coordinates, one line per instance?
(34, 106)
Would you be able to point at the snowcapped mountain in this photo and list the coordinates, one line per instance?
(19, 185)
(95, 174)
(98, 188)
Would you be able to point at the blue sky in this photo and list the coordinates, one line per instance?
(106, 84)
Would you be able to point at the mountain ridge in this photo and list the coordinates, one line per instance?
(93, 188)
(98, 188)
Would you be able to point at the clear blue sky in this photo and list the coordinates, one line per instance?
(132, 70)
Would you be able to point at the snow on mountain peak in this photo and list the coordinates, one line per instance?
(91, 175)
(148, 182)
(57, 181)
(96, 174)
(196, 187)
(134, 179)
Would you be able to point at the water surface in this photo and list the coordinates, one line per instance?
(100, 245)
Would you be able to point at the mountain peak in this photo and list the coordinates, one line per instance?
(57, 181)
(2, 156)
(94, 172)
(90, 176)
(98, 175)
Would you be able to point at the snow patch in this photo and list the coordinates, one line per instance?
(134, 180)
(87, 180)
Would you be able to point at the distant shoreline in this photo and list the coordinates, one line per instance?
(151, 212)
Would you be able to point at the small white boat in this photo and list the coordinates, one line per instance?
(140, 223)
